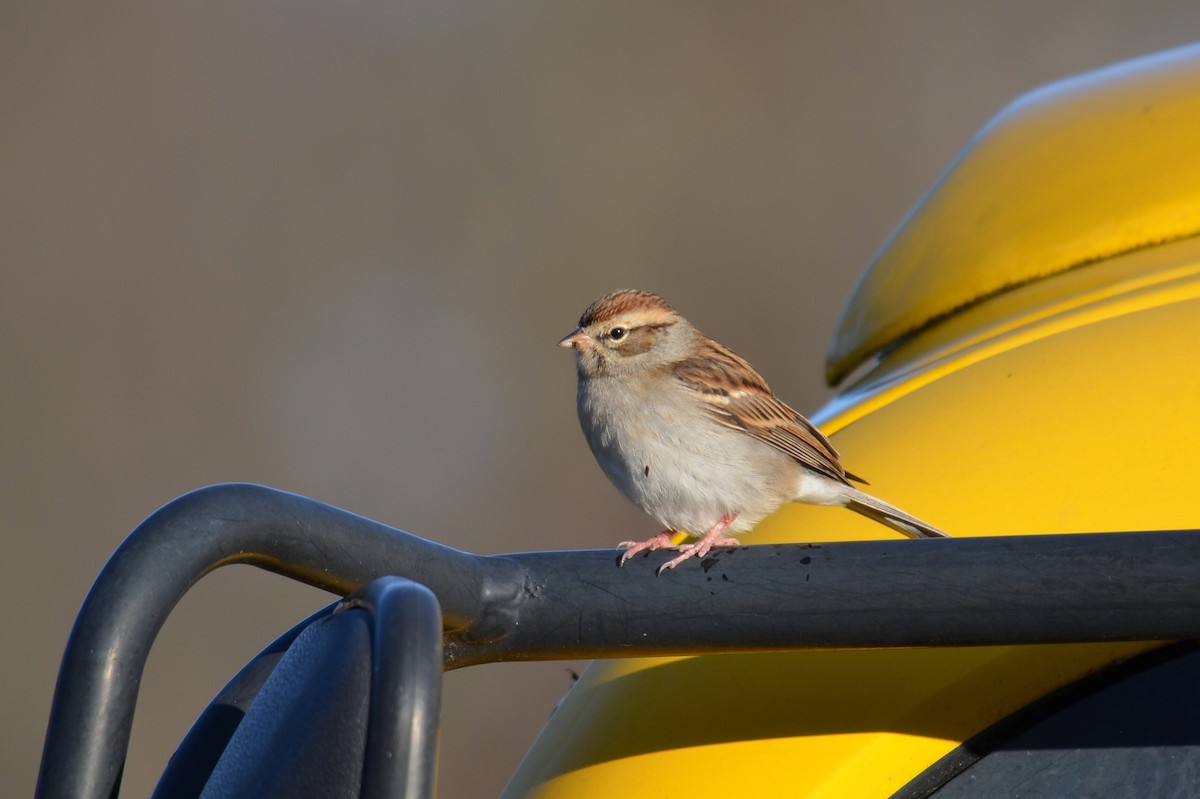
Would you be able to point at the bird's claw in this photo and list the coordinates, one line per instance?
(660, 541)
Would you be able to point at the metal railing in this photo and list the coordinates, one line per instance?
(551, 605)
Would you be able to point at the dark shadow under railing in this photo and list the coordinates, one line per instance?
(551, 605)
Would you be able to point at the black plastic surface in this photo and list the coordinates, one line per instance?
(305, 734)
(345, 704)
(1131, 732)
(193, 762)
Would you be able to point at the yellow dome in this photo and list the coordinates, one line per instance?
(1065, 177)
(1036, 321)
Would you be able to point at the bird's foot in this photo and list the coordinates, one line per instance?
(715, 537)
(660, 541)
(697, 550)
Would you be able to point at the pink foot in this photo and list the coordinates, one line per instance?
(660, 541)
(715, 537)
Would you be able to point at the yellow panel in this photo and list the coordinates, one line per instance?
(1079, 423)
(1082, 170)
(1064, 400)
(1083, 422)
(816, 725)
(1022, 306)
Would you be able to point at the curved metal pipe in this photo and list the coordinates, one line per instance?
(326, 547)
(547, 605)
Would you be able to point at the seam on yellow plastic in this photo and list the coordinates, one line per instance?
(1142, 293)
(836, 374)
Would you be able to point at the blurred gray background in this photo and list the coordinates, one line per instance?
(329, 247)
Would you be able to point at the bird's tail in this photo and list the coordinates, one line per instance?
(891, 516)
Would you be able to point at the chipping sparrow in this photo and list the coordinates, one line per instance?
(694, 436)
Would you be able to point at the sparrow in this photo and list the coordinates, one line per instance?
(692, 434)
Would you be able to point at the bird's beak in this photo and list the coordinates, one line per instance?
(577, 340)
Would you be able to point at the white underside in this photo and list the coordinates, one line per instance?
(817, 489)
(689, 472)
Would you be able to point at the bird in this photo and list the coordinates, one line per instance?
(691, 433)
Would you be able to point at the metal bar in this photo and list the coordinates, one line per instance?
(406, 691)
(92, 710)
(1037, 589)
(847, 595)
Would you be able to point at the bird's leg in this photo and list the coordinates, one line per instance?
(660, 541)
(715, 537)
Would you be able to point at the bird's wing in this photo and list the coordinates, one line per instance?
(737, 397)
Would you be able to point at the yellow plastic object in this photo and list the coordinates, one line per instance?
(1054, 390)
(1079, 171)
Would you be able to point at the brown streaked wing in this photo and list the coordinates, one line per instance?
(737, 397)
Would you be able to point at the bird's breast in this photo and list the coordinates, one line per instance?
(666, 456)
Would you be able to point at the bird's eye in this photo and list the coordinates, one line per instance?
(617, 333)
